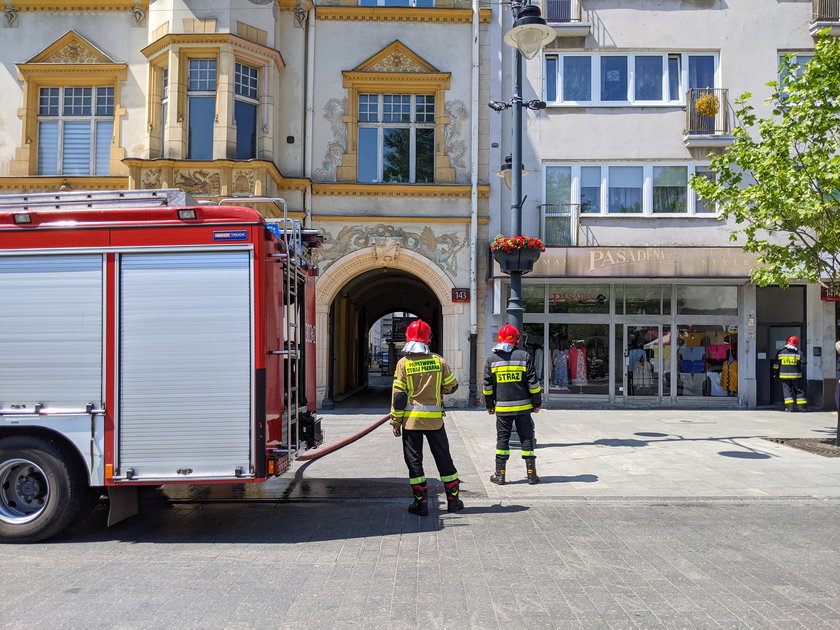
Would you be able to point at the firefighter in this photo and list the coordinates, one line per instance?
(420, 381)
(789, 367)
(512, 392)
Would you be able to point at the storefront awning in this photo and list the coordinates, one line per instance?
(640, 262)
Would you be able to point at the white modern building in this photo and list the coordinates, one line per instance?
(641, 297)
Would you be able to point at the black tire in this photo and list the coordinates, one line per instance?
(42, 489)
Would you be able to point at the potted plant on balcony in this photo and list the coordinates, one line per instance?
(516, 253)
(707, 105)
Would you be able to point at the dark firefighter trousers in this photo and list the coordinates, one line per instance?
(524, 427)
(793, 391)
(439, 445)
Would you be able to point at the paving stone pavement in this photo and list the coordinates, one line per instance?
(644, 520)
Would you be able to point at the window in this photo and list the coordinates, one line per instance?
(614, 79)
(702, 206)
(670, 188)
(397, 3)
(246, 99)
(164, 108)
(625, 184)
(642, 189)
(635, 79)
(396, 138)
(75, 126)
(798, 61)
(201, 108)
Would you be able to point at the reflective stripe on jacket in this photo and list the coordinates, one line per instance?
(424, 378)
(789, 363)
(510, 383)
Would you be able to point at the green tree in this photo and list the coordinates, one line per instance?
(780, 179)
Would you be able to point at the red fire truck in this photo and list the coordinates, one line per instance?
(147, 339)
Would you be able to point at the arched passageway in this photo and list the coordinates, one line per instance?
(358, 305)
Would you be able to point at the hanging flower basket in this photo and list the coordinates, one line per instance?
(516, 253)
(707, 105)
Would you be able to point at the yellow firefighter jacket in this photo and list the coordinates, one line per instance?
(420, 381)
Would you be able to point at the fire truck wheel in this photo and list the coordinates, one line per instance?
(42, 489)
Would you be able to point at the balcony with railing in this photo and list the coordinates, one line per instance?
(707, 118)
(566, 16)
(825, 14)
(560, 224)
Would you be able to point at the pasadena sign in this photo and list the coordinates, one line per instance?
(642, 262)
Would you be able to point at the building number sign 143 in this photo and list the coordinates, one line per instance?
(460, 295)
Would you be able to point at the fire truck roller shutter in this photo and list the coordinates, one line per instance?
(51, 341)
(185, 365)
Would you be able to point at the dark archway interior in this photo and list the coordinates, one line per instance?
(361, 302)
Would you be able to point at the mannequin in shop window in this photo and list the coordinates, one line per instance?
(560, 365)
(729, 371)
(642, 374)
(578, 364)
(634, 355)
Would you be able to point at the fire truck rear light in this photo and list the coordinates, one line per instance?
(21, 217)
(109, 471)
(187, 214)
(272, 467)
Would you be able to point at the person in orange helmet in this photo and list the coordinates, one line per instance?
(420, 381)
(511, 391)
(789, 368)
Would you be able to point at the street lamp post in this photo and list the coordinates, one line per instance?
(528, 36)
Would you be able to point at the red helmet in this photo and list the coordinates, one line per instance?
(418, 330)
(793, 340)
(508, 334)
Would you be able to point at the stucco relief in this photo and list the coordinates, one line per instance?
(396, 62)
(150, 179)
(390, 240)
(454, 144)
(199, 181)
(243, 181)
(76, 52)
(334, 112)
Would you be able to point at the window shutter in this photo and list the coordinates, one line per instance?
(104, 131)
(76, 148)
(48, 148)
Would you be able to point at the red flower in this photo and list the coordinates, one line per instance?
(512, 243)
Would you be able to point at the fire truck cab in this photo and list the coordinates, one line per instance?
(147, 339)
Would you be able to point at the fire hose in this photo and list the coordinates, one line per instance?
(342, 443)
(311, 457)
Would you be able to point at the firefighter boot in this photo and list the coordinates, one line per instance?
(531, 467)
(453, 498)
(498, 477)
(421, 499)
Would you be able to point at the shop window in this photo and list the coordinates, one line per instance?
(246, 101)
(201, 107)
(533, 298)
(707, 300)
(75, 126)
(532, 343)
(637, 299)
(396, 138)
(578, 358)
(578, 299)
(707, 360)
